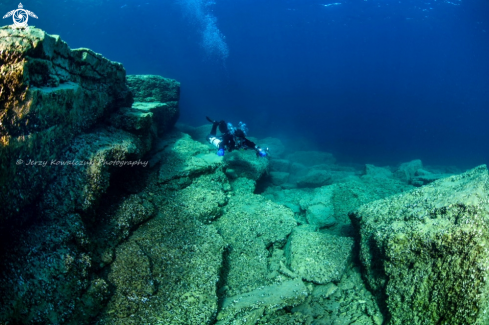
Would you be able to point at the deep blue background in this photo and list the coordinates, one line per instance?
(370, 81)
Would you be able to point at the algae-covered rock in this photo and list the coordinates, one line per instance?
(346, 302)
(166, 273)
(317, 257)
(60, 158)
(425, 252)
(53, 276)
(321, 215)
(132, 120)
(322, 195)
(250, 307)
(249, 225)
(181, 157)
(50, 94)
(374, 171)
(243, 186)
(92, 158)
(407, 170)
(158, 96)
(246, 164)
(153, 88)
(205, 197)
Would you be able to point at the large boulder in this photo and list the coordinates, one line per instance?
(246, 164)
(50, 94)
(407, 170)
(425, 252)
(374, 171)
(158, 96)
(321, 215)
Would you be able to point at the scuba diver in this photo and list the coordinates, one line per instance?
(232, 138)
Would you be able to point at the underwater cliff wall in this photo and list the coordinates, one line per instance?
(69, 133)
(49, 95)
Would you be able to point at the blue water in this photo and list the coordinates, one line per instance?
(371, 81)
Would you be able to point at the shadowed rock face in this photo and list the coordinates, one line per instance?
(49, 94)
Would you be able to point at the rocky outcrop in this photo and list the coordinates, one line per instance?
(425, 252)
(49, 95)
(70, 145)
(157, 95)
(374, 171)
(407, 170)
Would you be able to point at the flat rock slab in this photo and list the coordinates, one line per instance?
(180, 156)
(245, 163)
(317, 257)
(166, 273)
(425, 252)
(260, 301)
(165, 114)
(249, 225)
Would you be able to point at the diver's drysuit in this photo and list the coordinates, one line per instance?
(231, 138)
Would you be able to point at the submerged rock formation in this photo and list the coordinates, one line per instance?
(49, 95)
(67, 135)
(157, 95)
(425, 252)
(120, 219)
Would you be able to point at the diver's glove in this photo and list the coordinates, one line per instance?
(260, 152)
(220, 152)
